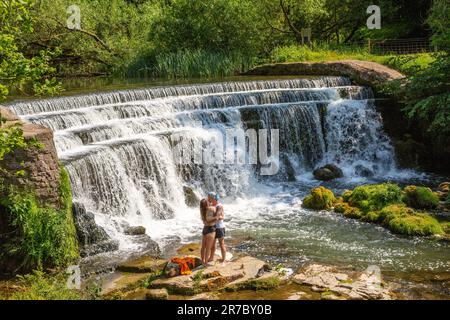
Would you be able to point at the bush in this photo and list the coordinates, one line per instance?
(319, 199)
(45, 237)
(375, 197)
(420, 197)
(404, 220)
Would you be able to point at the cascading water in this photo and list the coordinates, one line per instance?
(119, 149)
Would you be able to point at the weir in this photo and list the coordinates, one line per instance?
(118, 147)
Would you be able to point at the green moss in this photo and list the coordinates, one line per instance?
(45, 236)
(319, 199)
(268, 283)
(375, 197)
(404, 220)
(348, 211)
(420, 197)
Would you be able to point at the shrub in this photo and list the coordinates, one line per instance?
(420, 197)
(46, 237)
(319, 199)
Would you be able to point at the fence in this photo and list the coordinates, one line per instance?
(400, 46)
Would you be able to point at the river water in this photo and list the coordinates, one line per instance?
(120, 149)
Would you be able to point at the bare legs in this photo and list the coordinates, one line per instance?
(203, 250)
(209, 240)
(223, 249)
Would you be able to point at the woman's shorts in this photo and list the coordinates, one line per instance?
(220, 233)
(208, 230)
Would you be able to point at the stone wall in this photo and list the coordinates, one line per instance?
(362, 72)
(42, 172)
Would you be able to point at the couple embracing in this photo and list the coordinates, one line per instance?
(212, 214)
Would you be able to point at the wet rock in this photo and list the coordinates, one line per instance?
(190, 249)
(190, 197)
(328, 172)
(341, 285)
(92, 238)
(362, 171)
(157, 294)
(147, 246)
(142, 265)
(134, 230)
(239, 274)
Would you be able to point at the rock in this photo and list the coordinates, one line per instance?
(362, 171)
(92, 238)
(157, 294)
(444, 187)
(420, 197)
(190, 249)
(147, 246)
(7, 115)
(142, 265)
(190, 197)
(320, 199)
(235, 275)
(339, 285)
(363, 72)
(328, 172)
(134, 231)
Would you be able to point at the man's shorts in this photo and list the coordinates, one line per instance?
(220, 233)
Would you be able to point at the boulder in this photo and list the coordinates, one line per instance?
(142, 265)
(240, 274)
(134, 230)
(157, 294)
(362, 171)
(92, 238)
(190, 197)
(320, 199)
(328, 172)
(334, 284)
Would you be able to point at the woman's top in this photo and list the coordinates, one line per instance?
(210, 218)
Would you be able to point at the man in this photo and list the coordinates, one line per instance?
(213, 199)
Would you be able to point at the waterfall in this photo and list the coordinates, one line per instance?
(120, 148)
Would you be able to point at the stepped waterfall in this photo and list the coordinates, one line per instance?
(120, 147)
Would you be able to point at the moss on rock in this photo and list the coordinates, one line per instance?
(320, 199)
(375, 196)
(420, 197)
(404, 220)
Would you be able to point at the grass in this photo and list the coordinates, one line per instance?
(420, 197)
(41, 286)
(192, 64)
(407, 64)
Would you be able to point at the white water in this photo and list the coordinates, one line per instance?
(118, 149)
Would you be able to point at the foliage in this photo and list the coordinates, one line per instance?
(18, 69)
(420, 197)
(426, 93)
(214, 25)
(319, 199)
(45, 237)
(40, 286)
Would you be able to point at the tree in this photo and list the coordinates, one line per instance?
(18, 70)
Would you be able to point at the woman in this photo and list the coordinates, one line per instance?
(209, 219)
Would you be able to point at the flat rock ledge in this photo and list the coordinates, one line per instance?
(240, 274)
(362, 72)
(337, 285)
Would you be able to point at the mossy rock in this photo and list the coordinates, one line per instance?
(420, 197)
(404, 220)
(320, 199)
(374, 197)
(347, 210)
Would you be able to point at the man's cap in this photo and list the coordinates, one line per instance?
(214, 195)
